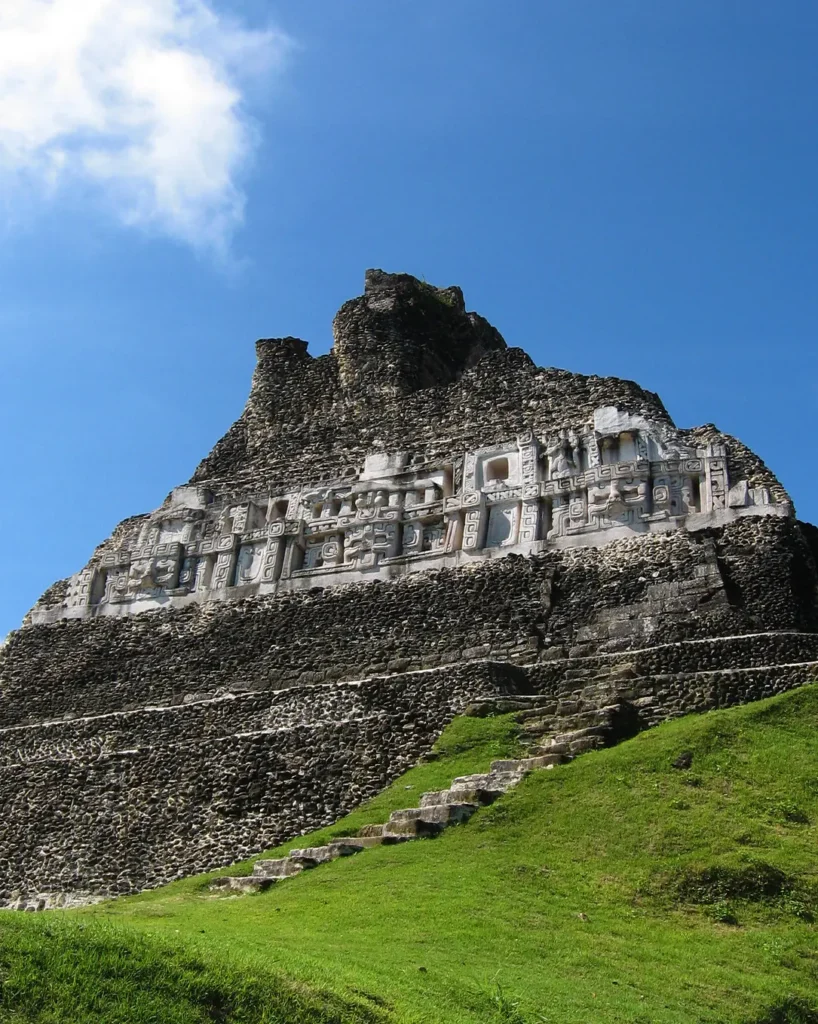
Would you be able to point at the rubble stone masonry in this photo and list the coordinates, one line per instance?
(416, 522)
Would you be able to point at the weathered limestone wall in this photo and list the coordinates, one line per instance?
(120, 802)
(686, 677)
(750, 651)
(752, 576)
(242, 733)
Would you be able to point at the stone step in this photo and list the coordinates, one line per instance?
(370, 831)
(591, 716)
(515, 766)
(575, 734)
(385, 835)
(416, 828)
(462, 795)
(503, 705)
(440, 808)
(550, 746)
(282, 867)
(598, 716)
(354, 844)
(538, 724)
(528, 763)
(501, 781)
(537, 714)
(544, 750)
(439, 814)
(243, 883)
(522, 706)
(424, 822)
(312, 856)
(586, 743)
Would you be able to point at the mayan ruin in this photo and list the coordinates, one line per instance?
(418, 522)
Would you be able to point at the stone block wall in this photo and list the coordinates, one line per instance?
(752, 576)
(116, 803)
(672, 694)
(712, 654)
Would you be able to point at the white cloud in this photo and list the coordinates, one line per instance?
(140, 98)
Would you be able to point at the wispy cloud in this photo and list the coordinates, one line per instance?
(140, 98)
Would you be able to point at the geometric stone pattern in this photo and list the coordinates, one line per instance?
(625, 477)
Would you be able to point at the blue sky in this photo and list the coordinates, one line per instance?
(622, 188)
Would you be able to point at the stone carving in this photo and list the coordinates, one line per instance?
(559, 513)
(222, 570)
(502, 526)
(530, 515)
(443, 446)
(412, 537)
(149, 575)
(624, 501)
(172, 530)
(187, 573)
(249, 562)
(561, 460)
(79, 589)
(320, 552)
(434, 536)
(619, 473)
(366, 544)
(474, 525)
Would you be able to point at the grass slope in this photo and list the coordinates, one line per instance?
(614, 889)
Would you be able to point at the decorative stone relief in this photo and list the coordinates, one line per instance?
(412, 541)
(366, 544)
(434, 536)
(187, 573)
(559, 515)
(223, 570)
(561, 458)
(617, 473)
(530, 515)
(716, 478)
(172, 530)
(502, 526)
(79, 589)
(623, 502)
(474, 521)
(249, 563)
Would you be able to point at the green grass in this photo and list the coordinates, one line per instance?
(69, 972)
(613, 889)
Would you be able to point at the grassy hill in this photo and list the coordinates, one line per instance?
(618, 888)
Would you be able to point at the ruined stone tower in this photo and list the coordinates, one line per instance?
(419, 519)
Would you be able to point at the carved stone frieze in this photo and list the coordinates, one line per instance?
(580, 486)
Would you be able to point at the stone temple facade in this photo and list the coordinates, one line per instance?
(417, 521)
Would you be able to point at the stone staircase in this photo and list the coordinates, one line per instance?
(555, 731)
(568, 728)
(437, 811)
